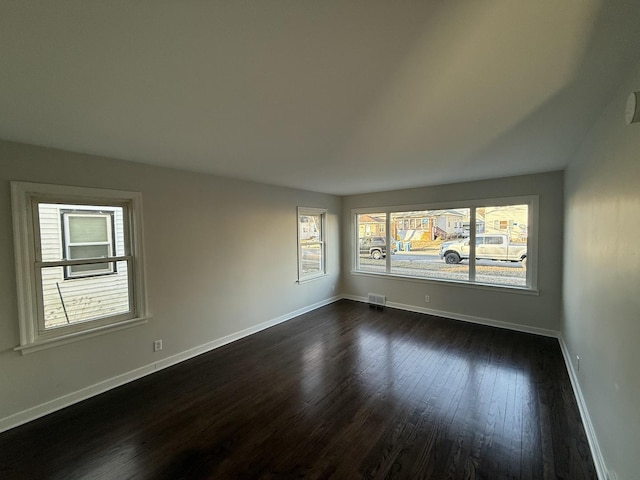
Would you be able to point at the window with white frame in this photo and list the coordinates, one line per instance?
(488, 242)
(311, 243)
(88, 234)
(79, 261)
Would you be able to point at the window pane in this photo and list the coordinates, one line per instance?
(88, 298)
(311, 258)
(52, 236)
(421, 240)
(372, 243)
(89, 251)
(77, 252)
(93, 269)
(310, 228)
(311, 238)
(499, 256)
(88, 228)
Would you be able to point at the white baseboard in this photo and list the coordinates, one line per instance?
(59, 403)
(596, 453)
(465, 318)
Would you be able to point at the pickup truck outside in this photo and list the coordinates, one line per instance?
(375, 247)
(488, 247)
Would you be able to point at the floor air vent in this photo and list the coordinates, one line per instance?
(377, 300)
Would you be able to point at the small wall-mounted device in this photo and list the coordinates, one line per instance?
(632, 113)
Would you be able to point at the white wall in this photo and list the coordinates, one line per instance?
(601, 320)
(221, 257)
(538, 312)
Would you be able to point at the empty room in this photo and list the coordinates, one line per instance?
(320, 239)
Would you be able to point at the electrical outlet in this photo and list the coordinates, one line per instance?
(427, 299)
(578, 362)
(333, 288)
(157, 345)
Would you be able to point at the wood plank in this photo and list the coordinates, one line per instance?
(344, 391)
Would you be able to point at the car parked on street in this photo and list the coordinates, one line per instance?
(375, 247)
(488, 247)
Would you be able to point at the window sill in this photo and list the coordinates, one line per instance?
(63, 339)
(312, 279)
(452, 283)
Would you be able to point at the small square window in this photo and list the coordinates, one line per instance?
(87, 234)
(80, 262)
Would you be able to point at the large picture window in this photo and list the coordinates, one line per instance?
(486, 242)
(311, 243)
(79, 261)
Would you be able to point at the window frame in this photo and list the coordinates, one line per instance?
(67, 244)
(29, 265)
(312, 211)
(532, 241)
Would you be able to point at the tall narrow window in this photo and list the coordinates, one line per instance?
(79, 259)
(311, 243)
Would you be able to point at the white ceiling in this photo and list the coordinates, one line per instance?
(343, 96)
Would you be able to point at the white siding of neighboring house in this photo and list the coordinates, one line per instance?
(516, 216)
(84, 298)
(451, 224)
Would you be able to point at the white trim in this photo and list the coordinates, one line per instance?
(322, 241)
(532, 201)
(473, 233)
(596, 453)
(25, 283)
(84, 261)
(465, 318)
(312, 279)
(25, 196)
(482, 286)
(58, 340)
(64, 401)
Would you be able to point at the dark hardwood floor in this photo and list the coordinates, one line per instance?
(343, 392)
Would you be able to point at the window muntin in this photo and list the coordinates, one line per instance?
(76, 278)
(311, 243)
(420, 239)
